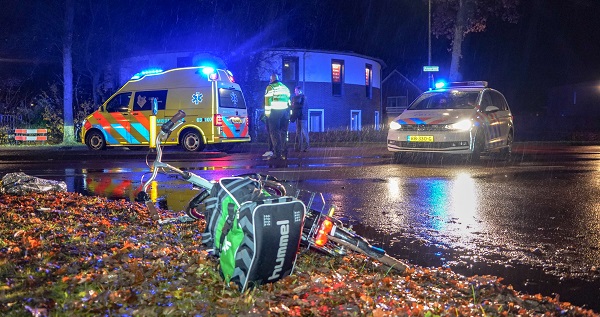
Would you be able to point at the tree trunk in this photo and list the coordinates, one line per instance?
(68, 130)
(457, 41)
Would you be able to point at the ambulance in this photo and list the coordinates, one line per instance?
(215, 110)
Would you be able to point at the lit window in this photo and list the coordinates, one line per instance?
(368, 80)
(337, 77)
(290, 69)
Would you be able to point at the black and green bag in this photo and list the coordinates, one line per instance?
(256, 236)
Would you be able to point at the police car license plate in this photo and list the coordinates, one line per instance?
(420, 138)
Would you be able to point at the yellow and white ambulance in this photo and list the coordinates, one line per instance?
(214, 105)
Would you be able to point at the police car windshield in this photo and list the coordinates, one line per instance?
(446, 100)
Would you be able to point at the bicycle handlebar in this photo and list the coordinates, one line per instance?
(168, 126)
(194, 179)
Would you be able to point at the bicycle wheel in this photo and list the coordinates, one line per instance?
(359, 244)
(311, 226)
(192, 210)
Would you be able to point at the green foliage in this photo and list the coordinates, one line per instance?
(5, 132)
(45, 110)
(50, 104)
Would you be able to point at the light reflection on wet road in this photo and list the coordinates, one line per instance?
(535, 222)
(537, 227)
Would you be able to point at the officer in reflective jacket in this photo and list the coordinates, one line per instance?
(277, 110)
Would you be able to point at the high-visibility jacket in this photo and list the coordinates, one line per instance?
(277, 96)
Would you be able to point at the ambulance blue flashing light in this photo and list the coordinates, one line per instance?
(150, 71)
(210, 72)
(207, 70)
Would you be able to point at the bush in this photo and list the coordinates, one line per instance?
(367, 134)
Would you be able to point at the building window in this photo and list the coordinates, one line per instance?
(290, 69)
(355, 120)
(369, 80)
(316, 120)
(397, 102)
(337, 76)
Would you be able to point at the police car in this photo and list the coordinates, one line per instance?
(466, 118)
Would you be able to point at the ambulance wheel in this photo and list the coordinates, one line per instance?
(191, 141)
(95, 140)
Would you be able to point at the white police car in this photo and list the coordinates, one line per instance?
(465, 118)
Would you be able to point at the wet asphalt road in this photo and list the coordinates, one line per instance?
(534, 221)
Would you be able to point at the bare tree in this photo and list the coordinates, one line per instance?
(457, 18)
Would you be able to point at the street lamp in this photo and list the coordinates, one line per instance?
(429, 46)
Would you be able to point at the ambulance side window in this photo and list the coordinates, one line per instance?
(120, 103)
(144, 100)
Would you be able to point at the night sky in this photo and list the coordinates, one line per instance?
(555, 42)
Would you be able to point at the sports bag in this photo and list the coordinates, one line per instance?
(256, 236)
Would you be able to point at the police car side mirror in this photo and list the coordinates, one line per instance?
(491, 109)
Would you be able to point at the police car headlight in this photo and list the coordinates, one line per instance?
(461, 125)
(395, 125)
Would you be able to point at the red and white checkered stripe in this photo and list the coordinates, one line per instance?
(31, 134)
(31, 138)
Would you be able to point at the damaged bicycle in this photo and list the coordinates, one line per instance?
(256, 224)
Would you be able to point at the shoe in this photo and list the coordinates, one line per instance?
(268, 153)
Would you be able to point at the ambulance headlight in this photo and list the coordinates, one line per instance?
(395, 125)
(463, 125)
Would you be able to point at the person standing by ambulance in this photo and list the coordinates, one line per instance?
(277, 110)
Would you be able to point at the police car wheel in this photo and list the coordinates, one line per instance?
(95, 141)
(506, 152)
(475, 156)
(397, 157)
(191, 141)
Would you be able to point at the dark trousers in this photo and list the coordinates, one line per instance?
(279, 121)
(302, 142)
(269, 140)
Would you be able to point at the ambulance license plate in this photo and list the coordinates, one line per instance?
(420, 138)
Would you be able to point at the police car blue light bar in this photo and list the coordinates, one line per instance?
(475, 83)
(440, 85)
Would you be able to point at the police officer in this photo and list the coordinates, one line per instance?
(277, 110)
